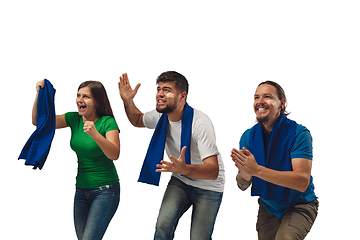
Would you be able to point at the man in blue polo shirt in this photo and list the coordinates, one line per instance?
(275, 156)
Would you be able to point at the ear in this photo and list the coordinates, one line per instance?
(183, 96)
(282, 103)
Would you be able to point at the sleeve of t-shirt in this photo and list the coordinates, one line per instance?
(110, 124)
(150, 119)
(302, 147)
(71, 118)
(204, 136)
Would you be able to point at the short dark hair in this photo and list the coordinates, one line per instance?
(280, 93)
(100, 96)
(181, 84)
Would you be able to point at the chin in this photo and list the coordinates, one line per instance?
(166, 109)
(262, 120)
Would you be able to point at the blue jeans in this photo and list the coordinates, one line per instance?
(94, 209)
(178, 198)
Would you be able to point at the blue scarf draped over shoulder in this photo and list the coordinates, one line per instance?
(155, 152)
(37, 147)
(278, 156)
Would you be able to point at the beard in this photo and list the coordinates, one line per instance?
(262, 120)
(166, 109)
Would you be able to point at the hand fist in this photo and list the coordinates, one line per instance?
(89, 128)
(39, 85)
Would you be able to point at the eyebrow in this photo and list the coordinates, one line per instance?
(164, 88)
(84, 94)
(265, 94)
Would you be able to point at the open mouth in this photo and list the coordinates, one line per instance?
(81, 108)
(261, 109)
(161, 102)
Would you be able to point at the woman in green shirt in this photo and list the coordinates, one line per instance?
(95, 140)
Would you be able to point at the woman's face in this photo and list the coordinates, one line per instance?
(86, 103)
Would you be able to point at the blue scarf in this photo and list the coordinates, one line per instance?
(277, 158)
(37, 147)
(155, 152)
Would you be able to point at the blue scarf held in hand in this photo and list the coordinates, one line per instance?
(155, 152)
(37, 147)
(278, 157)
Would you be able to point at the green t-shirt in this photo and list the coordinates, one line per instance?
(94, 168)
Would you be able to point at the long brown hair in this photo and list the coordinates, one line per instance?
(100, 96)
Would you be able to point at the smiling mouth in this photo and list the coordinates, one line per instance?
(261, 109)
(161, 102)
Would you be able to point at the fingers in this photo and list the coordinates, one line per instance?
(125, 84)
(236, 153)
(246, 152)
(124, 80)
(182, 154)
(124, 77)
(137, 87)
(39, 85)
(88, 126)
(164, 166)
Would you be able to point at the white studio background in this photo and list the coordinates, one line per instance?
(224, 49)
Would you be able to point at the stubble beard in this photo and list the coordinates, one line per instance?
(166, 109)
(262, 120)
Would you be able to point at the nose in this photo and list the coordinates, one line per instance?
(79, 99)
(160, 93)
(259, 100)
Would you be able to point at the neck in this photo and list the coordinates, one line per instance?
(176, 115)
(90, 118)
(268, 125)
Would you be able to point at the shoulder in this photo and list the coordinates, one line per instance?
(71, 117)
(302, 134)
(109, 123)
(302, 147)
(201, 118)
(151, 118)
(244, 140)
(202, 122)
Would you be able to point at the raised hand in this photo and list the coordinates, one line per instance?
(39, 85)
(126, 92)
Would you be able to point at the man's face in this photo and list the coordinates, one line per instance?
(167, 97)
(267, 105)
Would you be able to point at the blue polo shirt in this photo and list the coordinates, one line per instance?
(302, 148)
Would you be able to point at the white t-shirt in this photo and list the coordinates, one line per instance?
(203, 145)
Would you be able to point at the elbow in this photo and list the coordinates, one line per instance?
(115, 156)
(214, 176)
(304, 184)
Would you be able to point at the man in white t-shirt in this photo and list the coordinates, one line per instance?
(199, 184)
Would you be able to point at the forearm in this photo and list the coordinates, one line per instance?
(209, 170)
(111, 150)
(243, 183)
(203, 171)
(34, 110)
(290, 179)
(133, 113)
